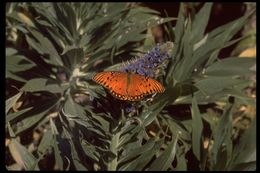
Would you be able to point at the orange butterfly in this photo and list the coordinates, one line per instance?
(128, 86)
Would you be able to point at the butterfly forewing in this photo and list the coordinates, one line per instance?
(114, 81)
(126, 86)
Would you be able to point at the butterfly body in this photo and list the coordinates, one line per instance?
(128, 86)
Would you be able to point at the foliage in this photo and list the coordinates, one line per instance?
(53, 49)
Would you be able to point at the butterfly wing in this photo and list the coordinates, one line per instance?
(116, 82)
(141, 86)
(126, 86)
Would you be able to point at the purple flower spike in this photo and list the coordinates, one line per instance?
(151, 61)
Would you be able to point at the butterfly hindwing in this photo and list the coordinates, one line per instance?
(127, 86)
(144, 85)
(153, 86)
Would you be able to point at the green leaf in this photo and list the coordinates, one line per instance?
(248, 166)
(209, 51)
(169, 96)
(177, 128)
(200, 43)
(57, 153)
(10, 51)
(231, 67)
(75, 112)
(223, 136)
(168, 29)
(245, 150)
(213, 119)
(71, 22)
(197, 127)
(200, 22)
(179, 28)
(33, 116)
(186, 39)
(41, 84)
(76, 160)
(30, 122)
(12, 116)
(164, 161)
(139, 163)
(55, 145)
(12, 101)
(134, 152)
(185, 63)
(90, 150)
(102, 54)
(128, 134)
(17, 63)
(76, 154)
(220, 95)
(44, 45)
(150, 113)
(149, 41)
(112, 165)
(181, 161)
(105, 124)
(11, 75)
(228, 30)
(23, 18)
(213, 85)
(46, 142)
(21, 155)
(74, 56)
(241, 97)
(134, 143)
(73, 109)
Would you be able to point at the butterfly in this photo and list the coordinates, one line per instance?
(128, 86)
